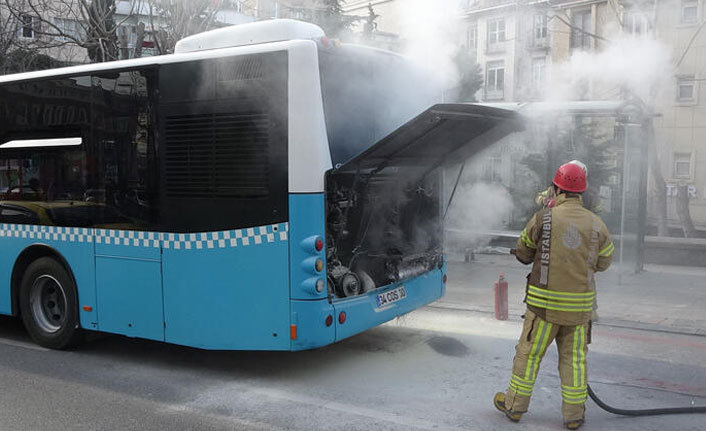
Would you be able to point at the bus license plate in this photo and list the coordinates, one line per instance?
(391, 296)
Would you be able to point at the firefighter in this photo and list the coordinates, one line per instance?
(566, 244)
(545, 198)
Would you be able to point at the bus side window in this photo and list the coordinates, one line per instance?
(13, 215)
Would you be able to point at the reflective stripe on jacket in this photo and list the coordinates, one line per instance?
(566, 245)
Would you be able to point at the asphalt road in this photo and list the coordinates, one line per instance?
(435, 369)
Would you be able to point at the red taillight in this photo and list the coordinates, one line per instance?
(342, 317)
(329, 320)
(325, 41)
(444, 279)
(319, 244)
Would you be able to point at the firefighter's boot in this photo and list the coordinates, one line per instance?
(574, 425)
(499, 402)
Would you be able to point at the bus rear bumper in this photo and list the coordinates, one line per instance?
(363, 312)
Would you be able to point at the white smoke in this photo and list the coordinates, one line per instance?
(430, 30)
(640, 65)
(479, 207)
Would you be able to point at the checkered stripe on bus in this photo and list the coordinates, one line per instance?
(47, 233)
(130, 238)
(226, 239)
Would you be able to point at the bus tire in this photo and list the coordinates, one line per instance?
(49, 304)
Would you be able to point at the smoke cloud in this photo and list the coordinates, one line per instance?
(640, 65)
(478, 208)
(431, 33)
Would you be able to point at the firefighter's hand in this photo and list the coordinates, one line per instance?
(513, 251)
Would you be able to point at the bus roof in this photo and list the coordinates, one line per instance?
(264, 36)
(273, 30)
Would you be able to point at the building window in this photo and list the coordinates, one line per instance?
(689, 11)
(581, 21)
(686, 88)
(682, 166)
(495, 80)
(539, 67)
(540, 28)
(68, 30)
(636, 23)
(472, 37)
(496, 31)
(492, 169)
(127, 34)
(28, 25)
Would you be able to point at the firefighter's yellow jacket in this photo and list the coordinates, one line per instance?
(566, 245)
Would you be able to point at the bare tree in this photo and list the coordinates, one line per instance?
(683, 212)
(97, 27)
(171, 21)
(57, 24)
(8, 33)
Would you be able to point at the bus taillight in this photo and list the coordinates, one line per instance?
(342, 317)
(313, 244)
(319, 265)
(329, 320)
(319, 244)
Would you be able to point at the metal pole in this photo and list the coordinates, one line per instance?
(642, 202)
(625, 177)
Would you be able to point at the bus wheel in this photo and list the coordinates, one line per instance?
(48, 304)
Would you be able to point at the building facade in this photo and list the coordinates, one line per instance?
(680, 125)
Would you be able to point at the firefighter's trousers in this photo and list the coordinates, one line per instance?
(537, 335)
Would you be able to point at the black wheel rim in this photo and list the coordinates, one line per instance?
(48, 303)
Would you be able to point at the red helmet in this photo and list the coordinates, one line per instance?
(570, 177)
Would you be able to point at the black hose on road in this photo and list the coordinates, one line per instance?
(644, 412)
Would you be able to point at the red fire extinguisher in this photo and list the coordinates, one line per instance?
(500, 288)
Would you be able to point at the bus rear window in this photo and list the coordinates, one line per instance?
(367, 94)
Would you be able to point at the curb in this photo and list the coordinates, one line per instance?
(604, 322)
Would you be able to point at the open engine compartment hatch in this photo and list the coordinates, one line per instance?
(444, 132)
(383, 207)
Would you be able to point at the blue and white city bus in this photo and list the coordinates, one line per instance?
(261, 188)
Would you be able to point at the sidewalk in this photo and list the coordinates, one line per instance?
(663, 298)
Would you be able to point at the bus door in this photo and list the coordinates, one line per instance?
(128, 250)
(129, 283)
